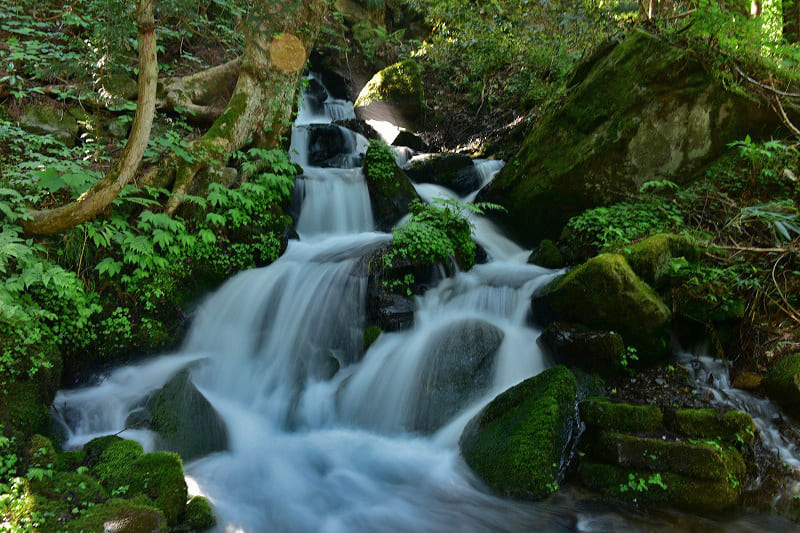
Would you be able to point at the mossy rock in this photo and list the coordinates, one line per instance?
(547, 255)
(573, 344)
(661, 488)
(698, 460)
(394, 94)
(371, 334)
(185, 420)
(519, 444)
(601, 413)
(390, 190)
(45, 120)
(650, 258)
(733, 426)
(782, 382)
(199, 516)
(70, 460)
(704, 311)
(454, 171)
(95, 447)
(159, 476)
(114, 466)
(638, 110)
(40, 452)
(120, 516)
(605, 294)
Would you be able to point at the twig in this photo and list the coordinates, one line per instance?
(764, 86)
(786, 121)
(757, 250)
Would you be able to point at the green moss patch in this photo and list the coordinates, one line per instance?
(199, 516)
(601, 413)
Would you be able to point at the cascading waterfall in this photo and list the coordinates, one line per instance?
(323, 437)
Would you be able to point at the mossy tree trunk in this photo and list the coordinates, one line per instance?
(278, 39)
(791, 21)
(98, 198)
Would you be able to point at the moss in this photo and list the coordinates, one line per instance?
(40, 452)
(782, 382)
(371, 334)
(390, 190)
(733, 426)
(701, 310)
(605, 294)
(649, 488)
(159, 475)
(601, 413)
(547, 255)
(95, 447)
(120, 515)
(199, 516)
(518, 442)
(114, 467)
(69, 460)
(399, 86)
(22, 411)
(700, 460)
(650, 258)
(223, 126)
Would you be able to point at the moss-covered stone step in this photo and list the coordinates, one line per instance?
(519, 443)
(605, 294)
(601, 413)
(733, 426)
(695, 459)
(661, 488)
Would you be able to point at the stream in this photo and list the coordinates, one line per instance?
(324, 437)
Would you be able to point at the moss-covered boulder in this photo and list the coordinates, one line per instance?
(159, 476)
(637, 110)
(733, 426)
(519, 444)
(547, 255)
(601, 413)
(199, 516)
(115, 463)
(454, 171)
(390, 190)
(646, 487)
(59, 123)
(573, 344)
(394, 94)
(605, 294)
(120, 516)
(185, 420)
(651, 257)
(782, 382)
(40, 452)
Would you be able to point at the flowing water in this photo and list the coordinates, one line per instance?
(321, 435)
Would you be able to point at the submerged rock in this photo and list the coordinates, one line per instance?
(604, 293)
(454, 171)
(638, 110)
(572, 344)
(458, 369)
(520, 443)
(390, 190)
(185, 420)
(394, 94)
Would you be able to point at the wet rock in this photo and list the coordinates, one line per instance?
(606, 139)
(520, 443)
(394, 94)
(411, 140)
(458, 369)
(547, 255)
(454, 171)
(316, 94)
(337, 85)
(185, 420)
(360, 127)
(747, 380)
(390, 190)
(782, 382)
(331, 146)
(571, 344)
(605, 294)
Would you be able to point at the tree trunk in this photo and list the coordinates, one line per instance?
(278, 40)
(791, 21)
(100, 196)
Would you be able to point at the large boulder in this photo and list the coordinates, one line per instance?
(185, 420)
(458, 368)
(639, 109)
(782, 382)
(650, 258)
(390, 190)
(454, 171)
(520, 443)
(61, 124)
(394, 94)
(605, 294)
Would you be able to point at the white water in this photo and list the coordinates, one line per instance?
(311, 453)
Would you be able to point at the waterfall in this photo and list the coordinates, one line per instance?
(323, 436)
